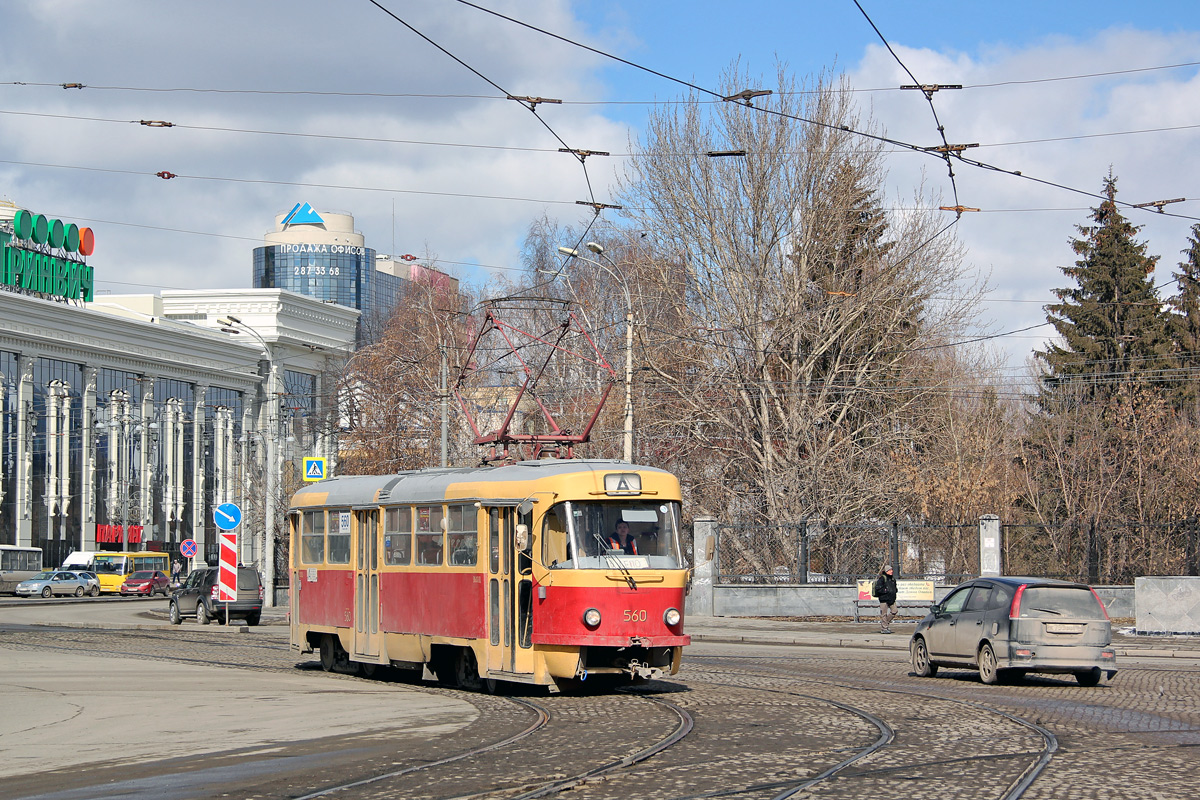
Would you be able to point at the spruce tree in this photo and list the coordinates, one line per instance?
(1111, 323)
(1186, 320)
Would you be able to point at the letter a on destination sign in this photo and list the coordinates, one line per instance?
(314, 469)
(227, 577)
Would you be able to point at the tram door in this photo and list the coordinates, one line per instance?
(366, 583)
(501, 620)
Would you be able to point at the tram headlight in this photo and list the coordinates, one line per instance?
(591, 618)
(671, 617)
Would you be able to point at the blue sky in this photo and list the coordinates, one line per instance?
(81, 155)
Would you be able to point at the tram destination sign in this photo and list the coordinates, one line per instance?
(44, 256)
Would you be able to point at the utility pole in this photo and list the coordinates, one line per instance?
(445, 408)
(599, 250)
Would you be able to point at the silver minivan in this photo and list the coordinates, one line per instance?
(1007, 627)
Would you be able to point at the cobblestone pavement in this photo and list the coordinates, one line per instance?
(1135, 737)
(766, 719)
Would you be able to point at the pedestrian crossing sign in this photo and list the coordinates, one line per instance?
(314, 469)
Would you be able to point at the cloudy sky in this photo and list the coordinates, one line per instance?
(342, 105)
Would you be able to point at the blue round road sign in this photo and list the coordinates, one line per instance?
(187, 548)
(227, 516)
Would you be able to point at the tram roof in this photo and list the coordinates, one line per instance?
(431, 485)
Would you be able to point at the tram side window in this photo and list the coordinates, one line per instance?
(312, 537)
(429, 534)
(339, 537)
(397, 536)
(464, 545)
(555, 547)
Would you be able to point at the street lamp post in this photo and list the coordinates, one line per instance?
(231, 324)
(599, 250)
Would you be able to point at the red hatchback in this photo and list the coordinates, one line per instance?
(146, 583)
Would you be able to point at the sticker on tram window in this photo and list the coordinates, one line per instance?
(343, 522)
(622, 483)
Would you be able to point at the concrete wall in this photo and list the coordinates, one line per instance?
(838, 601)
(1167, 605)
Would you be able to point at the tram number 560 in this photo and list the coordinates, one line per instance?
(632, 615)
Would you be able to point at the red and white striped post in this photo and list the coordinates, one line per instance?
(227, 577)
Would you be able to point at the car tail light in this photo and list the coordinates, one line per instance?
(1023, 653)
(261, 591)
(1101, 602)
(216, 592)
(1014, 610)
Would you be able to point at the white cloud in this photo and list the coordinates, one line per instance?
(1023, 249)
(287, 46)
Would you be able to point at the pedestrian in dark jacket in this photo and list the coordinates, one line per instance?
(885, 593)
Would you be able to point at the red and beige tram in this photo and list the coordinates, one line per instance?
(502, 573)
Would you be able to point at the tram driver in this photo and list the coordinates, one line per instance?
(623, 540)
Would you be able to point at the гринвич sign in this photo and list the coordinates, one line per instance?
(36, 257)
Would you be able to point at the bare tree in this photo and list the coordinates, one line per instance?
(800, 311)
(392, 390)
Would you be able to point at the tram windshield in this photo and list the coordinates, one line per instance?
(612, 534)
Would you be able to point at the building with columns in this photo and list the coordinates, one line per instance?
(125, 420)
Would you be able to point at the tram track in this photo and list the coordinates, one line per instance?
(542, 718)
(1015, 790)
(436, 778)
(813, 739)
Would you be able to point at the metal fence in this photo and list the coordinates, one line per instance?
(1102, 552)
(819, 552)
(816, 551)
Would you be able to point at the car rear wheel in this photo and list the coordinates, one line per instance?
(173, 613)
(1088, 677)
(46, 592)
(201, 614)
(79, 591)
(95, 591)
(253, 619)
(989, 671)
(920, 660)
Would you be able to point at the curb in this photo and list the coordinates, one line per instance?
(1140, 651)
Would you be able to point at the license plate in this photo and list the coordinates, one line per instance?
(1063, 627)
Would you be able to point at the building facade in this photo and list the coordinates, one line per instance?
(125, 421)
(319, 254)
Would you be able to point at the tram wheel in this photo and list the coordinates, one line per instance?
(466, 670)
(328, 653)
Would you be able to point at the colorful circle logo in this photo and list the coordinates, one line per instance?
(38, 229)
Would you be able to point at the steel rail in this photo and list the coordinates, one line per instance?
(686, 724)
(543, 717)
(1016, 788)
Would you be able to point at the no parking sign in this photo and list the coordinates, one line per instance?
(187, 548)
